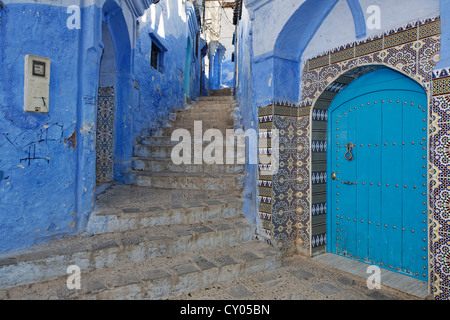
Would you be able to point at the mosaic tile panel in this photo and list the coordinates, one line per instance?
(303, 183)
(369, 47)
(428, 56)
(395, 38)
(319, 172)
(319, 175)
(429, 28)
(441, 84)
(416, 58)
(440, 185)
(283, 197)
(342, 54)
(403, 58)
(264, 222)
(284, 217)
(318, 62)
(105, 135)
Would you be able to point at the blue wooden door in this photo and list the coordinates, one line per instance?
(378, 158)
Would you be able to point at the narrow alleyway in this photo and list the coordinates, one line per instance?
(224, 150)
(176, 229)
(177, 233)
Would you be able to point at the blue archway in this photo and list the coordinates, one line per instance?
(308, 18)
(187, 70)
(113, 16)
(295, 36)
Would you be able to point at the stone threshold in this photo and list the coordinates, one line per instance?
(389, 278)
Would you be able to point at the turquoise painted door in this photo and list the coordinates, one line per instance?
(378, 160)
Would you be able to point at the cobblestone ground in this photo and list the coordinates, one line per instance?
(298, 279)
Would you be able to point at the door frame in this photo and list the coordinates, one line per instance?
(187, 68)
(337, 84)
(113, 17)
(329, 170)
(416, 57)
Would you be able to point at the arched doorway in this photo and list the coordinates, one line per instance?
(321, 78)
(106, 106)
(375, 139)
(187, 69)
(114, 116)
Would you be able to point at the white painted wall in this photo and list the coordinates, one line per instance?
(166, 18)
(268, 22)
(226, 32)
(338, 28)
(395, 13)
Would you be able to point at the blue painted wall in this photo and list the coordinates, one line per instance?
(162, 92)
(445, 36)
(247, 107)
(38, 151)
(47, 161)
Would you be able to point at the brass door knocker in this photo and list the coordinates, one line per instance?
(348, 155)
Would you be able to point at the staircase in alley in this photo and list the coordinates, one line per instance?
(176, 229)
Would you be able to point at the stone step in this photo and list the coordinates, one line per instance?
(188, 181)
(199, 108)
(136, 217)
(129, 196)
(221, 92)
(216, 98)
(218, 123)
(170, 129)
(158, 278)
(167, 131)
(152, 141)
(204, 116)
(166, 165)
(167, 140)
(210, 106)
(205, 108)
(165, 151)
(124, 207)
(50, 260)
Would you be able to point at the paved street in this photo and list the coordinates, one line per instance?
(299, 278)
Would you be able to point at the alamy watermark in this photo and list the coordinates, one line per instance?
(374, 280)
(237, 147)
(74, 20)
(74, 279)
(374, 20)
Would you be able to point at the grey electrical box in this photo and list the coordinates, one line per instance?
(37, 84)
